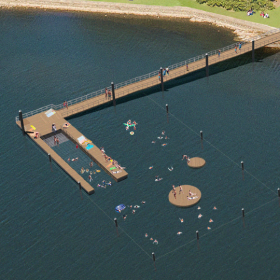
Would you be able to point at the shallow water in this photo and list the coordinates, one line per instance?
(48, 232)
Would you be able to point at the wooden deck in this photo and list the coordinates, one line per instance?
(43, 125)
(185, 199)
(196, 162)
(173, 74)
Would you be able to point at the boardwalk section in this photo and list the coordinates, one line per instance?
(185, 69)
(43, 124)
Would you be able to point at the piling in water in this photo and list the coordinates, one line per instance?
(21, 122)
(113, 93)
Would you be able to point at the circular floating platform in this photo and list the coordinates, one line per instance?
(185, 199)
(196, 162)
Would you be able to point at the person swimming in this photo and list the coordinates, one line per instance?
(208, 228)
(136, 206)
(215, 208)
(153, 142)
(211, 221)
(146, 234)
(82, 170)
(143, 202)
(124, 217)
(179, 232)
(181, 219)
(198, 208)
(155, 242)
(199, 216)
(171, 168)
(133, 211)
(90, 178)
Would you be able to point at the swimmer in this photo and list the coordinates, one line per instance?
(104, 182)
(211, 221)
(130, 206)
(69, 159)
(90, 178)
(76, 158)
(215, 208)
(164, 144)
(153, 142)
(155, 242)
(146, 234)
(127, 128)
(163, 132)
(171, 168)
(198, 208)
(109, 184)
(150, 167)
(182, 220)
(91, 164)
(143, 202)
(181, 189)
(136, 206)
(133, 211)
(166, 137)
(179, 232)
(124, 217)
(82, 170)
(184, 157)
(208, 228)
(151, 239)
(160, 137)
(199, 216)
(87, 170)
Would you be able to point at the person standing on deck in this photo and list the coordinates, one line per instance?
(106, 93)
(240, 46)
(219, 53)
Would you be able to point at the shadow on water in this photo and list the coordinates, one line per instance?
(232, 63)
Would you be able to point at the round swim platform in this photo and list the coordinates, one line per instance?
(196, 162)
(184, 199)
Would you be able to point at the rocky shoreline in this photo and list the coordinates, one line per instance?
(242, 28)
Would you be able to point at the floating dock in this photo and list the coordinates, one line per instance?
(42, 123)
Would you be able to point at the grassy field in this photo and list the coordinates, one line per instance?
(274, 19)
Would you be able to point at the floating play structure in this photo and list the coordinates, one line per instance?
(196, 162)
(189, 196)
(119, 208)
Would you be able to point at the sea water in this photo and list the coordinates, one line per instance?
(49, 231)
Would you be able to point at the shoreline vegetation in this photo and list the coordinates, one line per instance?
(242, 28)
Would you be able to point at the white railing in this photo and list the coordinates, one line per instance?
(147, 76)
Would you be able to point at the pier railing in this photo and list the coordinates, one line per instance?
(154, 74)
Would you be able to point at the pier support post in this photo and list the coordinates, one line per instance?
(201, 139)
(21, 122)
(243, 216)
(154, 259)
(161, 79)
(207, 65)
(197, 238)
(242, 167)
(279, 195)
(50, 160)
(116, 223)
(80, 187)
(253, 51)
(113, 93)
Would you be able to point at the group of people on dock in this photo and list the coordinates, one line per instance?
(174, 190)
(56, 141)
(113, 162)
(108, 94)
(165, 72)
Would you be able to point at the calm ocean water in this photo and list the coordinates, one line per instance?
(48, 232)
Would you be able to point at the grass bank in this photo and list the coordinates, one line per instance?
(273, 21)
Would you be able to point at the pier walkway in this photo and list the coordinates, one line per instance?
(39, 119)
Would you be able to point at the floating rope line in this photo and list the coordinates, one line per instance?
(149, 255)
(274, 192)
(247, 213)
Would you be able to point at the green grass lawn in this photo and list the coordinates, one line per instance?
(274, 19)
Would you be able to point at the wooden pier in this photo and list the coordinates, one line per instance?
(43, 125)
(43, 118)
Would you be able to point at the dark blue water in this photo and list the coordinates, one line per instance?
(49, 232)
